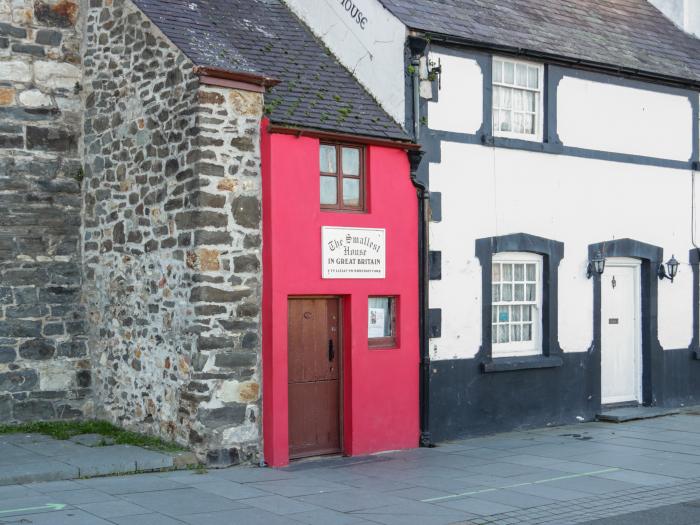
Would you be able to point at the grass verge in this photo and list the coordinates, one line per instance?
(68, 429)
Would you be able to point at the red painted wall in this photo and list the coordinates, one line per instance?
(380, 401)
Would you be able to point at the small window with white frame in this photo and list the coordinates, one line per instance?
(517, 99)
(516, 304)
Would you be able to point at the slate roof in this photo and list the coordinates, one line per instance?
(626, 33)
(265, 38)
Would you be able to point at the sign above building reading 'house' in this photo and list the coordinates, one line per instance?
(353, 253)
(354, 11)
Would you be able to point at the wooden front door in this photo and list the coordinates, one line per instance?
(314, 377)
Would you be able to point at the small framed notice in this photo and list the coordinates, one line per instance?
(353, 253)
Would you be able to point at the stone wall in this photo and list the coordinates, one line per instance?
(44, 370)
(171, 240)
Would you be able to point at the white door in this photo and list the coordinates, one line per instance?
(621, 335)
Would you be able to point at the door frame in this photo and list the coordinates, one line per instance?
(636, 266)
(341, 367)
(652, 352)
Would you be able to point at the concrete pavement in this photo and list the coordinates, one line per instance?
(27, 458)
(598, 473)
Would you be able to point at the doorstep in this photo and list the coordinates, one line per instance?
(620, 415)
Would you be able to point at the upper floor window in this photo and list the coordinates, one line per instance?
(516, 304)
(342, 177)
(517, 99)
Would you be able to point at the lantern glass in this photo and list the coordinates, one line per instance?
(599, 265)
(672, 266)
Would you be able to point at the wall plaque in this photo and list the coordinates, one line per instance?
(353, 253)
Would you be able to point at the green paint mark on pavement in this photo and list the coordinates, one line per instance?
(48, 506)
(474, 492)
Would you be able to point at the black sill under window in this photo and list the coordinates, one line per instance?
(508, 364)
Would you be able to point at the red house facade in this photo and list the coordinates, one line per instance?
(340, 296)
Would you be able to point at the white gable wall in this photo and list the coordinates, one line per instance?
(367, 39)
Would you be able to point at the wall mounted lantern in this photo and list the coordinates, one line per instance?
(595, 265)
(671, 269)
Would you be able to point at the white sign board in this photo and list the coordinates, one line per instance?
(376, 322)
(353, 253)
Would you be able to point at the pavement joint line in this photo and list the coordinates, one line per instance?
(482, 491)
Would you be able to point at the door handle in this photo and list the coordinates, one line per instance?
(331, 352)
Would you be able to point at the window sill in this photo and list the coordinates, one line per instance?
(508, 364)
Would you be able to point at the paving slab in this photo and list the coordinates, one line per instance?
(30, 458)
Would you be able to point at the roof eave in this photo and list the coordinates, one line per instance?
(336, 136)
(563, 60)
(234, 79)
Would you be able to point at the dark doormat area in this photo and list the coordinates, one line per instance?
(679, 514)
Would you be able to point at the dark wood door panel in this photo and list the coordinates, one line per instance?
(314, 427)
(314, 377)
(313, 340)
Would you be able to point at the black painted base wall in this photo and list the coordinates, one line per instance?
(681, 379)
(467, 402)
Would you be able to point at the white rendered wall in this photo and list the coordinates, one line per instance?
(373, 51)
(608, 117)
(460, 100)
(684, 13)
(492, 191)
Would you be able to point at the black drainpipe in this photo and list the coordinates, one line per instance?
(423, 219)
(417, 47)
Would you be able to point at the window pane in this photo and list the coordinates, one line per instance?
(502, 314)
(496, 119)
(329, 190)
(519, 272)
(521, 75)
(518, 100)
(530, 272)
(533, 77)
(507, 272)
(530, 293)
(528, 124)
(518, 122)
(494, 333)
(505, 120)
(351, 192)
(518, 292)
(351, 161)
(515, 332)
(495, 273)
(515, 313)
(497, 71)
(530, 101)
(527, 332)
(496, 293)
(503, 336)
(508, 73)
(380, 318)
(328, 159)
(507, 292)
(527, 313)
(494, 314)
(496, 97)
(506, 98)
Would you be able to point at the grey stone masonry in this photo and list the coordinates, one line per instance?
(45, 372)
(171, 240)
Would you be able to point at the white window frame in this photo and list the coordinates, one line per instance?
(521, 348)
(539, 114)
